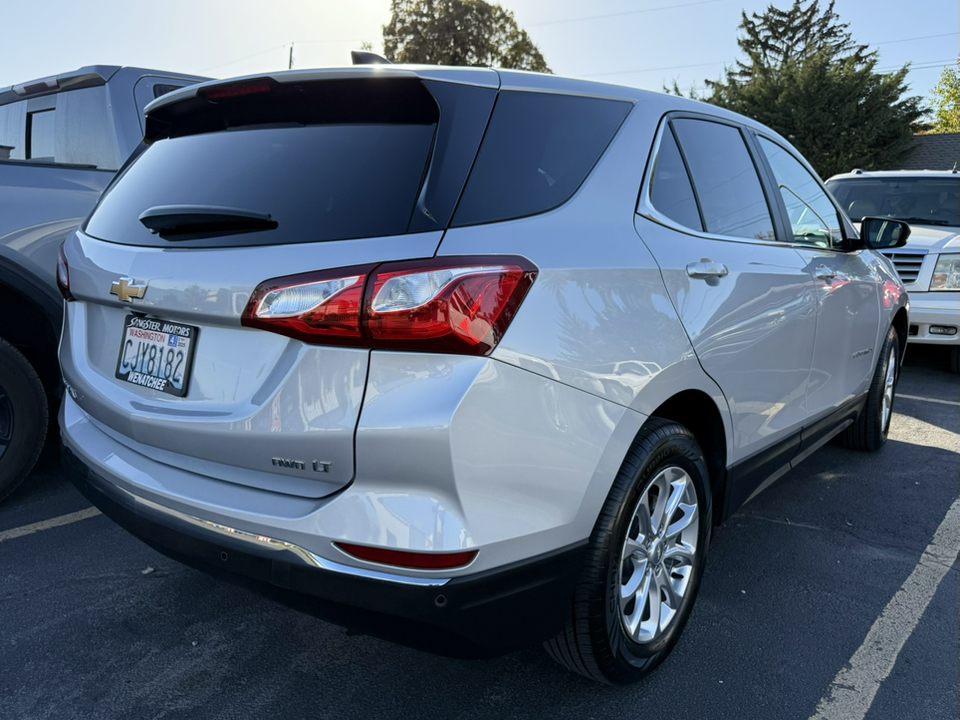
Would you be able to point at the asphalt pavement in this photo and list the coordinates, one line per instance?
(834, 594)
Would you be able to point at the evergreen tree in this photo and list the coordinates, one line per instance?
(458, 32)
(806, 78)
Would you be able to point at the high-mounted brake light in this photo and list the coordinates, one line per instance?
(63, 275)
(237, 89)
(406, 559)
(35, 87)
(457, 305)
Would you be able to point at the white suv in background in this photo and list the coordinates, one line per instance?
(930, 263)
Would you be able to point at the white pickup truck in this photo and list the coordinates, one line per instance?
(62, 140)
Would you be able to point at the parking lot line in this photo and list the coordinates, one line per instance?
(926, 399)
(855, 687)
(47, 524)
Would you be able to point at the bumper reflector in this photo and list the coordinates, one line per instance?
(413, 560)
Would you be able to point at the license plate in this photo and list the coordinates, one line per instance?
(156, 354)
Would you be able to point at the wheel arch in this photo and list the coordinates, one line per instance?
(697, 412)
(30, 321)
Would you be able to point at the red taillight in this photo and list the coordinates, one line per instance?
(458, 305)
(413, 560)
(63, 275)
(321, 307)
(237, 89)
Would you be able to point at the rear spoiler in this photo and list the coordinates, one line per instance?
(91, 76)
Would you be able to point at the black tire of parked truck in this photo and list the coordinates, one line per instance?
(23, 418)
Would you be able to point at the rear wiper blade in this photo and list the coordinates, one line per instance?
(192, 221)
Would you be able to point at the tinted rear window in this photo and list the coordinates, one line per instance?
(537, 151)
(327, 161)
(318, 183)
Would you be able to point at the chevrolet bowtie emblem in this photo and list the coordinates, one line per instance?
(126, 289)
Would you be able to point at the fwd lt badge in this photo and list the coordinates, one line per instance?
(126, 289)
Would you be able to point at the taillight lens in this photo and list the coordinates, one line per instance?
(459, 305)
(316, 307)
(63, 275)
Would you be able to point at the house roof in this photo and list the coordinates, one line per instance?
(933, 152)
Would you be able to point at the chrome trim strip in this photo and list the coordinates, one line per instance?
(262, 542)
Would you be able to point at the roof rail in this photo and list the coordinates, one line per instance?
(857, 171)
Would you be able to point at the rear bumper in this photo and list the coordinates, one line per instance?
(478, 615)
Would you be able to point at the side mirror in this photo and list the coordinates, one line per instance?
(882, 233)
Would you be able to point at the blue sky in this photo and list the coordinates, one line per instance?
(643, 43)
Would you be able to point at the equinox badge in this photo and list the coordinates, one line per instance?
(126, 289)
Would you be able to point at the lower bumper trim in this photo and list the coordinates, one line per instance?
(480, 615)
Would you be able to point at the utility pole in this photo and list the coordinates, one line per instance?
(290, 63)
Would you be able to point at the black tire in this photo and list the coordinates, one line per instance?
(870, 430)
(23, 418)
(595, 641)
(953, 359)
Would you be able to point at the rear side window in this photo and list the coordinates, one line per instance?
(725, 179)
(537, 151)
(68, 128)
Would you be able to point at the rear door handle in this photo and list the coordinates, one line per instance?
(706, 268)
(824, 273)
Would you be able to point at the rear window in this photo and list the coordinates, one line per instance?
(537, 151)
(318, 183)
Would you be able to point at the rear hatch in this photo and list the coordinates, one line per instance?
(237, 184)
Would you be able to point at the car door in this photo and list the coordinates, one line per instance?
(743, 295)
(847, 286)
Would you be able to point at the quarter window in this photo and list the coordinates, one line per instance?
(813, 218)
(725, 179)
(670, 190)
(537, 151)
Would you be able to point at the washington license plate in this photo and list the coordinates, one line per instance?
(156, 354)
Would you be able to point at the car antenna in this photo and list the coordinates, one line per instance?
(363, 57)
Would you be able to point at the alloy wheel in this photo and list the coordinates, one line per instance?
(658, 555)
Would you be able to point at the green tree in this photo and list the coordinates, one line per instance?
(946, 102)
(458, 32)
(806, 78)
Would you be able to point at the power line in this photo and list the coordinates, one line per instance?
(246, 57)
(621, 14)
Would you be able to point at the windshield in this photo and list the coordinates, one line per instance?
(917, 200)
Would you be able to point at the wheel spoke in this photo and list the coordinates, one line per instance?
(678, 556)
(645, 522)
(651, 626)
(690, 515)
(636, 578)
(671, 598)
(634, 619)
(660, 504)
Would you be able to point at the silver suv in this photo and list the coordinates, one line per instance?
(466, 358)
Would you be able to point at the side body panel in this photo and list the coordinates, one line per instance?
(848, 326)
(752, 329)
(598, 317)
